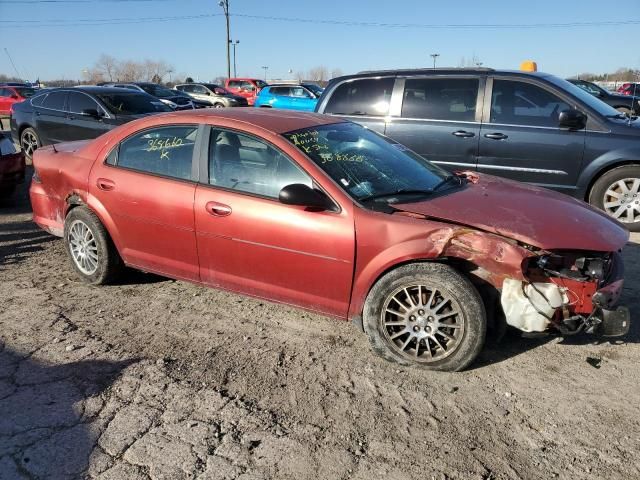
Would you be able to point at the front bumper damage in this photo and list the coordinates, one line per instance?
(568, 301)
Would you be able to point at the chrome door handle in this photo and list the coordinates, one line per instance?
(496, 136)
(463, 134)
(218, 209)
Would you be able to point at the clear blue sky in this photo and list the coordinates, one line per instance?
(196, 47)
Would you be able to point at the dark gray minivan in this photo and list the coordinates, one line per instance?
(531, 127)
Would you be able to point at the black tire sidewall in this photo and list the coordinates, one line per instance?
(38, 142)
(108, 259)
(447, 280)
(596, 196)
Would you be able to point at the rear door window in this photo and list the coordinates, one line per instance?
(369, 96)
(440, 98)
(55, 101)
(166, 151)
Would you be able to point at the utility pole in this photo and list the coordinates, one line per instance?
(434, 56)
(225, 6)
(265, 73)
(235, 44)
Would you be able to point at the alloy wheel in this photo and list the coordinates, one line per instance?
(622, 200)
(422, 323)
(83, 247)
(29, 143)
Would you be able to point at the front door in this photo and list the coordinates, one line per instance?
(250, 242)
(521, 139)
(440, 119)
(83, 125)
(146, 185)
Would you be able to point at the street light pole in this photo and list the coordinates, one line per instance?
(265, 73)
(434, 56)
(225, 6)
(235, 44)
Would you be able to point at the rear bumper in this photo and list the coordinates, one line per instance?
(46, 211)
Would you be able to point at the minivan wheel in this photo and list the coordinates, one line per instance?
(29, 142)
(617, 192)
(625, 110)
(218, 105)
(93, 255)
(425, 315)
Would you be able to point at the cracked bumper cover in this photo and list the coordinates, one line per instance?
(611, 321)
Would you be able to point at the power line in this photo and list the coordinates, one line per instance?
(119, 21)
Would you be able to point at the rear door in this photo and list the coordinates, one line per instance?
(520, 136)
(147, 187)
(365, 101)
(440, 118)
(51, 118)
(83, 125)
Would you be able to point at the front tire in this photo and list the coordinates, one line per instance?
(425, 315)
(92, 253)
(29, 143)
(617, 192)
(218, 105)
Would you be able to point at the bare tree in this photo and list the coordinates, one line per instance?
(107, 66)
(319, 74)
(93, 76)
(336, 72)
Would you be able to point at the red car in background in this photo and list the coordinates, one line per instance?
(12, 167)
(324, 214)
(11, 94)
(248, 88)
(629, 89)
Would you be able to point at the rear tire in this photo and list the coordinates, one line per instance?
(218, 105)
(425, 315)
(617, 192)
(29, 143)
(92, 253)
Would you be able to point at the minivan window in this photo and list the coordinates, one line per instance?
(368, 96)
(55, 101)
(440, 98)
(522, 103)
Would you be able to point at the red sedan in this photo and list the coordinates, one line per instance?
(11, 94)
(327, 215)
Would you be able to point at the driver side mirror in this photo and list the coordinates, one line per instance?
(92, 112)
(303, 196)
(572, 119)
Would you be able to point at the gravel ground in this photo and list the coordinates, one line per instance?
(155, 378)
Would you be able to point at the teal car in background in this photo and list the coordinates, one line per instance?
(289, 96)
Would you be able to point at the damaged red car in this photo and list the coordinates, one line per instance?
(327, 215)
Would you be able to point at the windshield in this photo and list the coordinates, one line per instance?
(261, 84)
(158, 91)
(593, 102)
(132, 103)
(365, 164)
(25, 92)
(314, 88)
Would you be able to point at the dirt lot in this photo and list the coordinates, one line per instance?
(154, 378)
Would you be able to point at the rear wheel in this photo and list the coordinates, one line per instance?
(93, 255)
(425, 315)
(218, 105)
(29, 142)
(617, 192)
(625, 110)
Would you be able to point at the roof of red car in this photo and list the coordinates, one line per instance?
(274, 120)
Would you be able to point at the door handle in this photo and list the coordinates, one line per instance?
(218, 209)
(105, 184)
(463, 134)
(496, 136)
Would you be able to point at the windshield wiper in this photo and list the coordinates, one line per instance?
(446, 180)
(402, 191)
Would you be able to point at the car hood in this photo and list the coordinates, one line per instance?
(531, 215)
